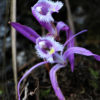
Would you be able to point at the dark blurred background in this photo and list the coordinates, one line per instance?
(82, 84)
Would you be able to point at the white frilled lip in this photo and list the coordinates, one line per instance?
(55, 45)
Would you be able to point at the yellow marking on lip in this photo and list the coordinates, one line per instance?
(53, 9)
(51, 51)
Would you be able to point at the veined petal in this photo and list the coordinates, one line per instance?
(54, 82)
(27, 73)
(79, 50)
(25, 31)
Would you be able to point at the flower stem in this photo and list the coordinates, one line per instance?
(13, 36)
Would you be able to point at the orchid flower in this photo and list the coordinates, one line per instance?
(46, 47)
(49, 49)
(43, 10)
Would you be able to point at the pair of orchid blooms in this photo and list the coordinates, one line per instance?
(48, 47)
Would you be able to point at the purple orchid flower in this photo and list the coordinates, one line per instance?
(43, 10)
(49, 49)
(46, 47)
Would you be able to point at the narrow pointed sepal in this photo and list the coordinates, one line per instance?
(26, 74)
(54, 82)
(25, 31)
